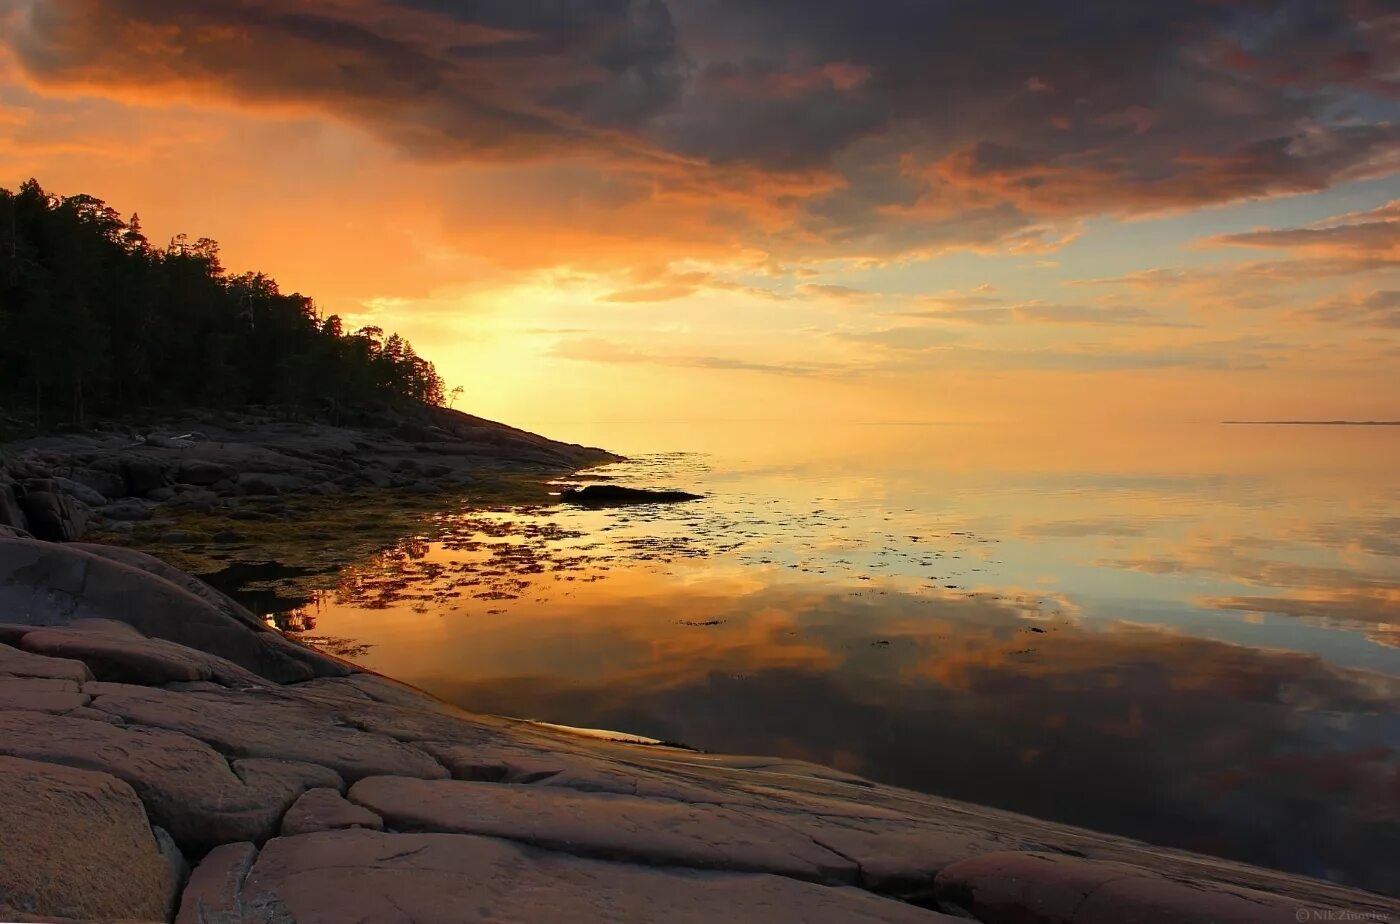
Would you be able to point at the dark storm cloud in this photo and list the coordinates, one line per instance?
(938, 123)
(439, 80)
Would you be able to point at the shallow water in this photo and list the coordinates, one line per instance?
(1188, 636)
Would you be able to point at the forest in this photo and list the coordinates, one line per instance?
(95, 320)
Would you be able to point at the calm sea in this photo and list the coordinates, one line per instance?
(1188, 635)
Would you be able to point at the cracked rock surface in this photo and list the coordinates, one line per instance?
(296, 789)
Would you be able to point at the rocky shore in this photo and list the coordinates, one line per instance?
(167, 756)
(110, 480)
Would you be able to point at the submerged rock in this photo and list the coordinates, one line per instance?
(607, 495)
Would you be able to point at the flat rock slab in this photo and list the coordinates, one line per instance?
(41, 695)
(602, 825)
(76, 844)
(135, 660)
(1012, 887)
(254, 724)
(188, 788)
(327, 810)
(18, 663)
(376, 878)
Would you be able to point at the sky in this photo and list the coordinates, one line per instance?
(891, 210)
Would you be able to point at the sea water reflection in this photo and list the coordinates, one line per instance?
(1192, 641)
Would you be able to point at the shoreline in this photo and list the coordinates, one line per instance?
(119, 478)
(106, 644)
(245, 775)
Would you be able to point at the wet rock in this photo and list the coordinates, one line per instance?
(606, 495)
(77, 845)
(327, 810)
(378, 878)
(601, 825)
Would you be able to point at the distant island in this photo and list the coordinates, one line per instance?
(1313, 423)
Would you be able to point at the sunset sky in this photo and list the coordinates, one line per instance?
(680, 209)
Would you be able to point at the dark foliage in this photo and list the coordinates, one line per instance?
(94, 320)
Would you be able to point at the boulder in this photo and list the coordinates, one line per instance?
(110, 484)
(327, 810)
(54, 516)
(79, 491)
(203, 472)
(143, 475)
(77, 845)
(607, 495)
(379, 878)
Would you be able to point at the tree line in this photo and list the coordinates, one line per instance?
(95, 320)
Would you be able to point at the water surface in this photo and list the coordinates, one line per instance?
(1188, 636)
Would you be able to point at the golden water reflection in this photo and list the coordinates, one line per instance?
(1188, 642)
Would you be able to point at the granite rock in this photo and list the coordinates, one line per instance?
(77, 844)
